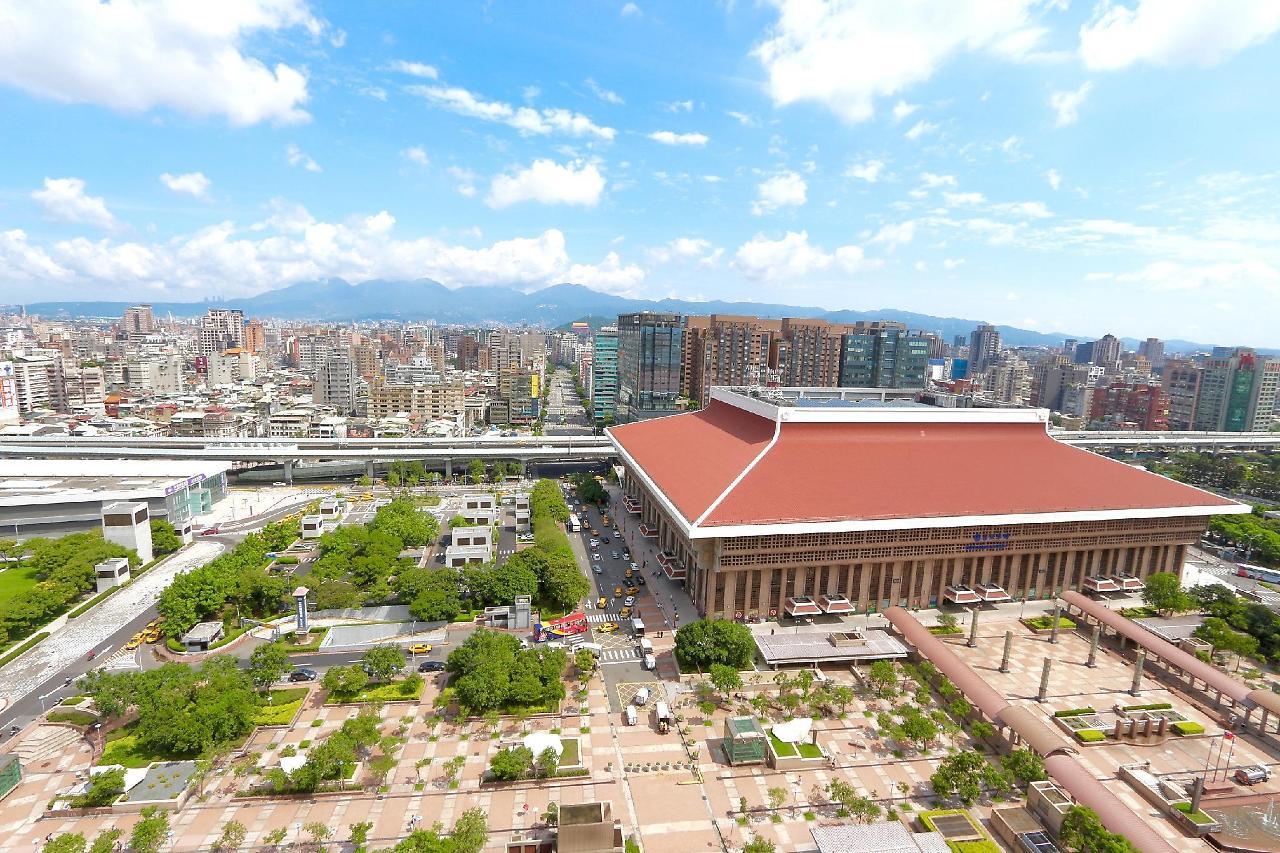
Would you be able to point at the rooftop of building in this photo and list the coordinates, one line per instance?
(747, 465)
(25, 482)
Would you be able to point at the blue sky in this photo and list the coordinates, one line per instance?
(1079, 166)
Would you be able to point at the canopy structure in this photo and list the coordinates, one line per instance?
(793, 731)
(540, 742)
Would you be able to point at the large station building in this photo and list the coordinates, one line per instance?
(785, 502)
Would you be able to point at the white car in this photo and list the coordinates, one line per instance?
(595, 567)
(629, 601)
(642, 696)
(635, 566)
(595, 543)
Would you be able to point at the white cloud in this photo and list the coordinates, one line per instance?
(527, 120)
(786, 189)
(609, 97)
(466, 180)
(902, 109)
(845, 55)
(930, 180)
(414, 69)
(894, 235)
(957, 199)
(868, 171)
(1196, 32)
(952, 263)
(416, 154)
(919, 129)
(194, 58)
(684, 249)
(191, 183)
(1054, 178)
(21, 260)
(680, 107)
(743, 119)
(1066, 105)
(1167, 275)
(295, 156)
(630, 10)
(64, 200)
(547, 182)
(793, 258)
(1028, 209)
(376, 92)
(667, 137)
(610, 275)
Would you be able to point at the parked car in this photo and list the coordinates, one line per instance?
(631, 715)
(1252, 774)
(642, 696)
(431, 666)
(303, 673)
(210, 531)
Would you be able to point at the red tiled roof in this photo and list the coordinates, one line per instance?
(694, 457)
(869, 471)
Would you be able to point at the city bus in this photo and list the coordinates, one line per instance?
(575, 524)
(1261, 573)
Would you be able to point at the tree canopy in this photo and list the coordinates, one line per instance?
(710, 641)
(1164, 592)
(492, 671)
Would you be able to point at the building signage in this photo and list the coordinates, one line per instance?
(988, 542)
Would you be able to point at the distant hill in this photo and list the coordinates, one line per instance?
(336, 300)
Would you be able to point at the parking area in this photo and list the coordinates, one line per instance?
(626, 691)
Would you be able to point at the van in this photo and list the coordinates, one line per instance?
(642, 696)
(650, 662)
(646, 646)
(594, 648)
(630, 715)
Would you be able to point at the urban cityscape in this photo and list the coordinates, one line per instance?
(925, 520)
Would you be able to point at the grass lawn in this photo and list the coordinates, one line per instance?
(313, 645)
(14, 580)
(284, 704)
(788, 750)
(123, 749)
(390, 692)
(570, 757)
(76, 718)
(1042, 623)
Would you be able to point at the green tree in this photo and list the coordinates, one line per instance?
(963, 775)
(458, 521)
(1024, 766)
(233, 835)
(164, 539)
(512, 763)
(759, 845)
(105, 841)
(1082, 831)
(564, 584)
(358, 833)
(383, 661)
(1164, 592)
(475, 470)
(344, 682)
(585, 662)
(708, 641)
(725, 678)
(67, 842)
(884, 675)
(149, 833)
(276, 836)
(318, 831)
(547, 763)
(918, 728)
(103, 789)
(268, 663)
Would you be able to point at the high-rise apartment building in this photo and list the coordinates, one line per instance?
(138, 320)
(1152, 349)
(722, 349)
(1237, 391)
(335, 383)
(1008, 381)
(808, 353)
(1142, 406)
(255, 336)
(1181, 384)
(38, 382)
(1106, 351)
(883, 354)
(221, 329)
(650, 359)
(604, 374)
(984, 348)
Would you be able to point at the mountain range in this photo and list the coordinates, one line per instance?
(336, 300)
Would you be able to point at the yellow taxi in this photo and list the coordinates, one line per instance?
(628, 573)
(152, 636)
(633, 590)
(607, 627)
(153, 625)
(624, 612)
(134, 642)
(420, 649)
(617, 592)
(367, 496)
(602, 603)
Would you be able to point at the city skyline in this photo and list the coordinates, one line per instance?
(1029, 165)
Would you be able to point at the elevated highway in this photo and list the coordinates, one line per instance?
(1095, 439)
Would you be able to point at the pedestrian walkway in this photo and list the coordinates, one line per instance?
(619, 655)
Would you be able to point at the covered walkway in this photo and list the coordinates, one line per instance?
(1182, 666)
(1027, 728)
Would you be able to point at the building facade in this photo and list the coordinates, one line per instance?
(604, 374)
(750, 504)
(1238, 391)
(883, 355)
(650, 364)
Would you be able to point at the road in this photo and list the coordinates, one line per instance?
(1226, 571)
(564, 403)
(43, 670)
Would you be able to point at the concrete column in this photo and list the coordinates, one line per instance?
(973, 628)
(1093, 646)
(522, 468)
(1044, 680)
(448, 467)
(1136, 688)
(1008, 648)
(288, 471)
(368, 470)
(1057, 614)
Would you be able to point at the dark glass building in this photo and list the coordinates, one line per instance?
(650, 360)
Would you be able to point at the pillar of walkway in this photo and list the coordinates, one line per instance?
(973, 628)
(288, 472)
(1008, 648)
(368, 470)
(1136, 688)
(1044, 680)
(522, 466)
(1057, 614)
(448, 467)
(1093, 646)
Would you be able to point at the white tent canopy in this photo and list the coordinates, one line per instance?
(794, 731)
(540, 742)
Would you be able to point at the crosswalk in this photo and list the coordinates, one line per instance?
(506, 552)
(620, 655)
(598, 617)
